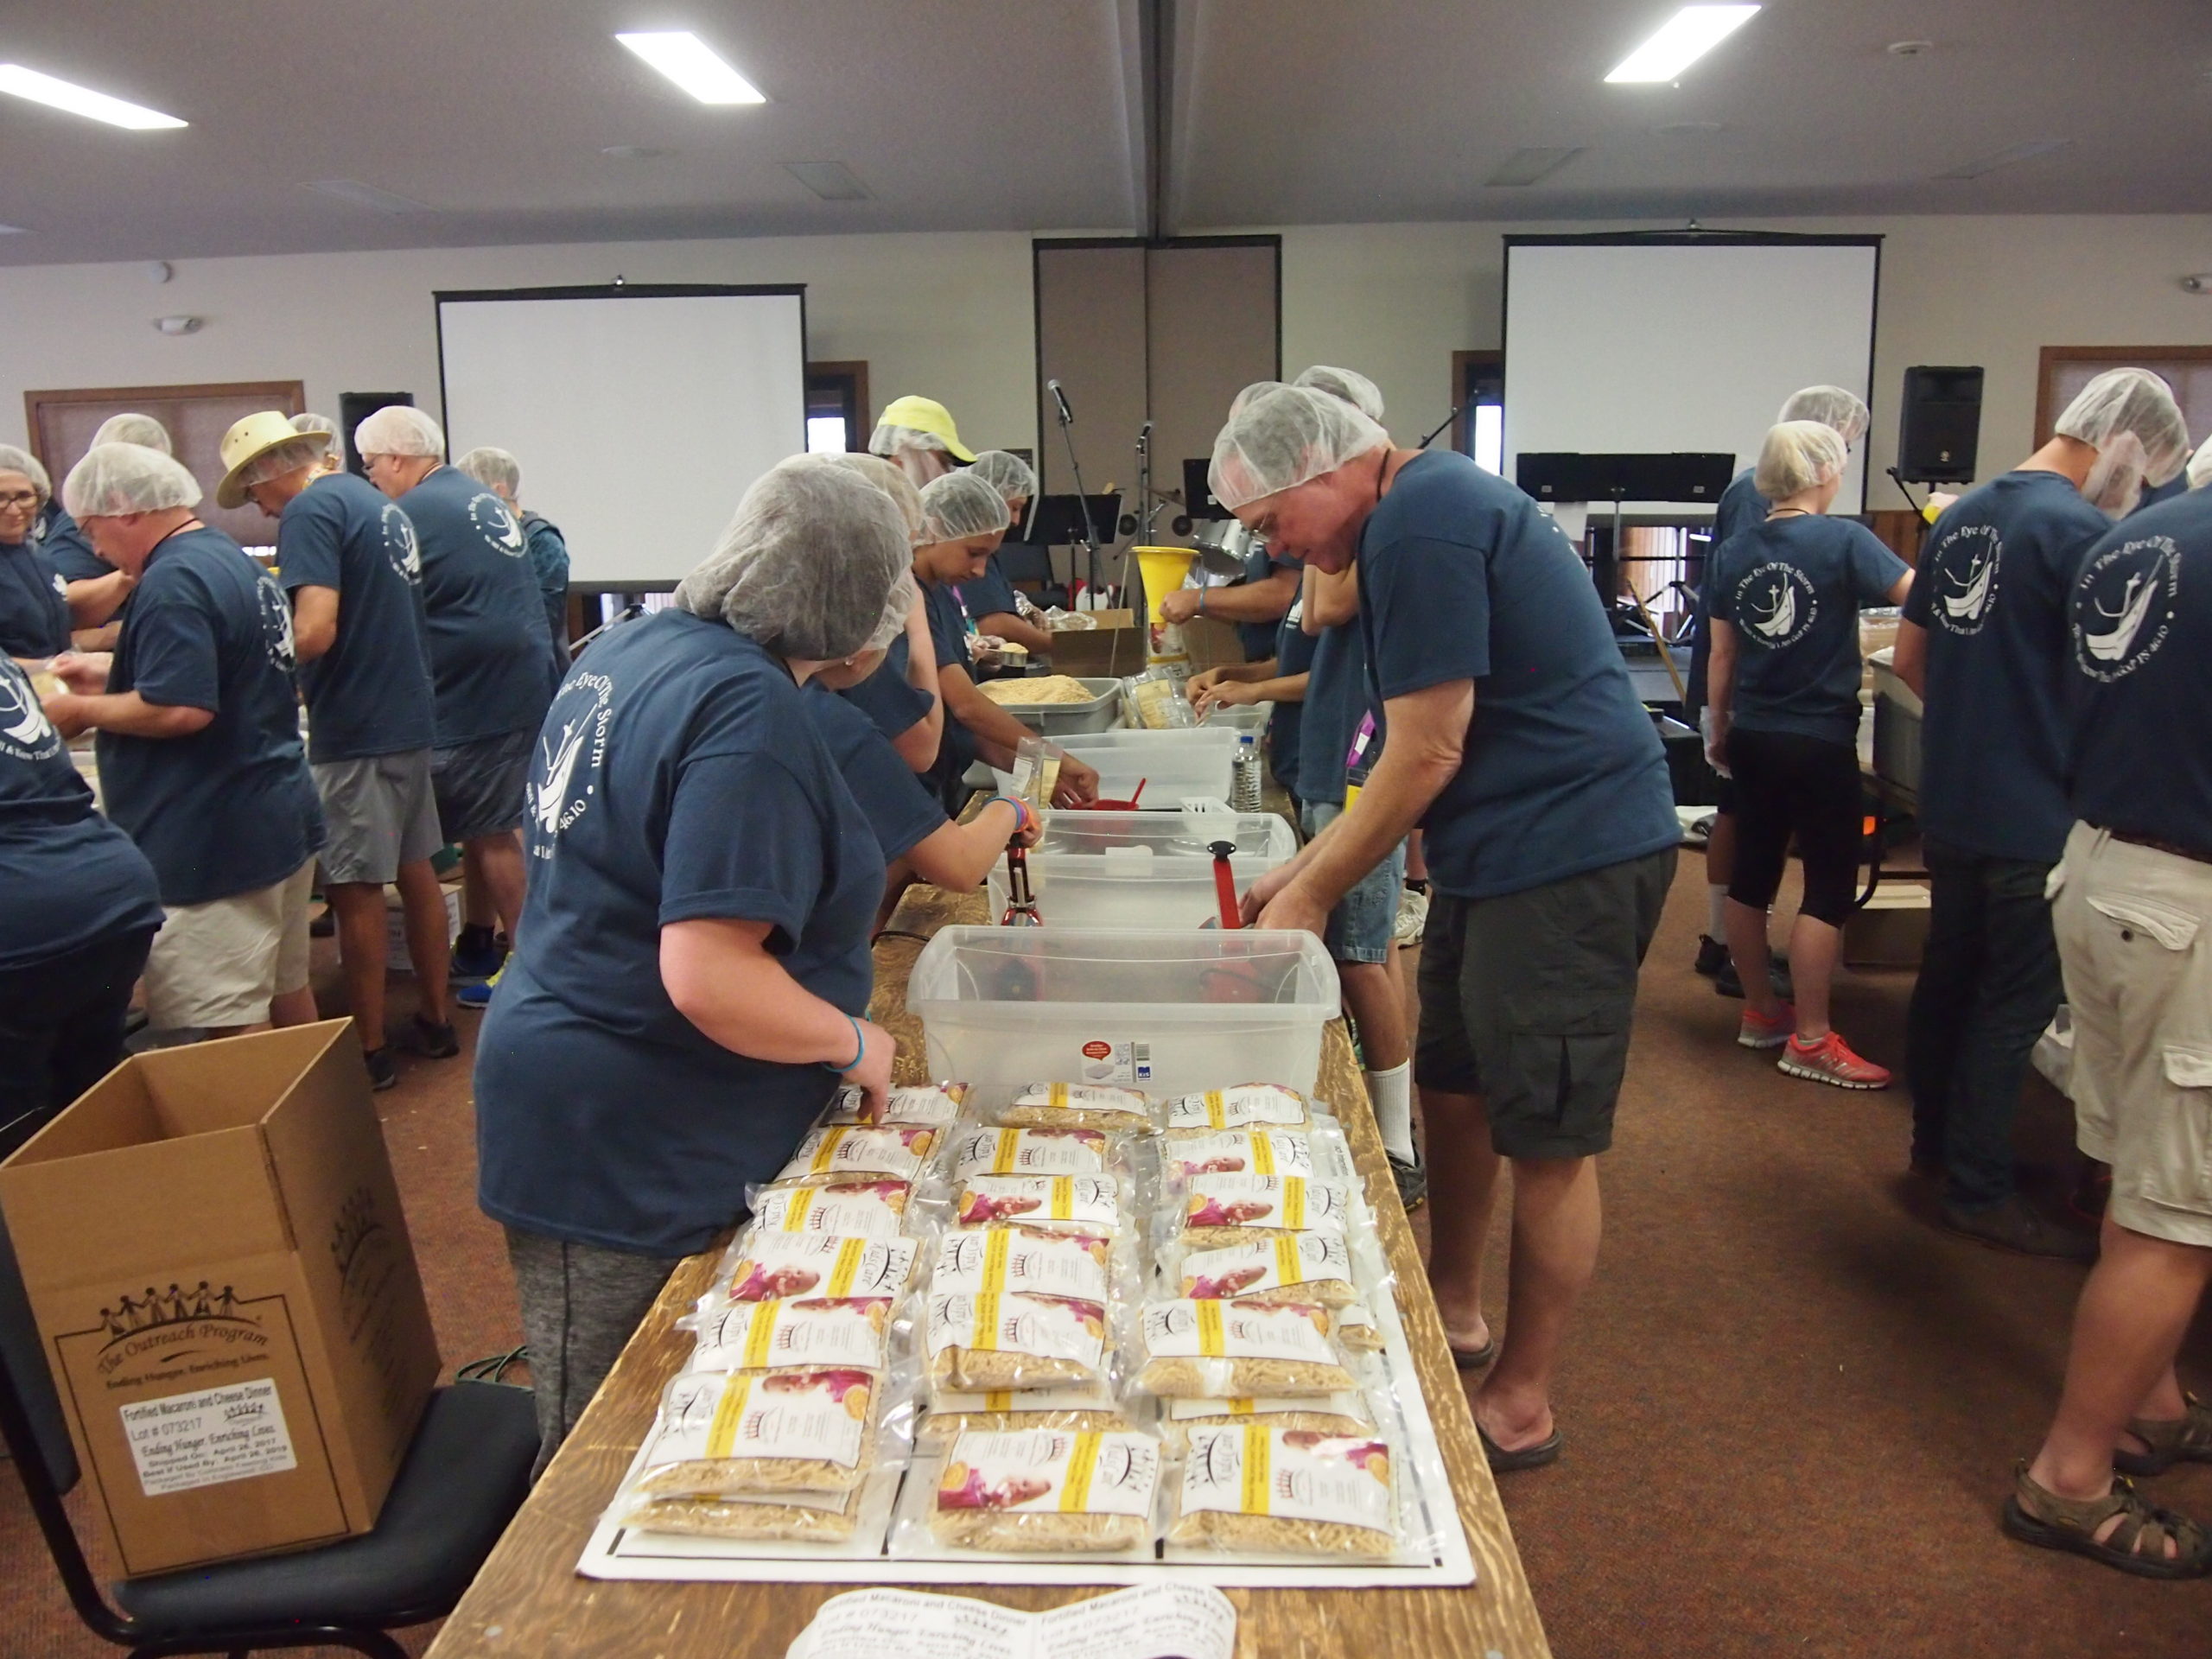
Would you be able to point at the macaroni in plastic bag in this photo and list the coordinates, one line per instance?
(1249, 1106)
(982, 1343)
(1030, 1152)
(763, 1266)
(932, 1105)
(765, 1434)
(1296, 1268)
(1226, 1350)
(1078, 1105)
(1220, 1210)
(813, 1334)
(848, 1209)
(1286, 1491)
(1049, 1491)
(1060, 1203)
(837, 1155)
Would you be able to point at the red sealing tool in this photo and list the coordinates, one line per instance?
(1224, 882)
(1022, 898)
(1129, 805)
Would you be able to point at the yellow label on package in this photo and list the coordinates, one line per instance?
(1254, 1499)
(994, 1250)
(985, 1338)
(761, 1336)
(1062, 1207)
(1210, 1346)
(1216, 1110)
(1082, 1463)
(1294, 1202)
(795, 1212)
(1056, 1097)
(729, 1415)
(848, 1265)
(825, 1155)
(1288, 1269)
(1002, 1159)
(1263, 1154)
(999, 1400)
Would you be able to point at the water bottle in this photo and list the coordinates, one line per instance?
(1246, 792)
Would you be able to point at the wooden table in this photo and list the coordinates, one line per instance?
(529, 1603)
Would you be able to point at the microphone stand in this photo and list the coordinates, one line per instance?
(1438, 427)
(1089, 531)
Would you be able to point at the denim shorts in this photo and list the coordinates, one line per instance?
(1364, 926)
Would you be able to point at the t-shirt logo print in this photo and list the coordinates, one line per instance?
(2124, 607)
(400, 546)
(275, 623)
(1776, 604)
(25, 732)
(60, 584)
(1965, 571)
(498, 524)
(571, 749)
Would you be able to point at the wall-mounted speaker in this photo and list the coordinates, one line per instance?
(1940, 429)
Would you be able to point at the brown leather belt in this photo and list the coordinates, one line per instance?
(2196, 854)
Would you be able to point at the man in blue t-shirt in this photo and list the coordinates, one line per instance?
(501, 473)
(1984, 642)
(2133, 916)
(200, 754)
(347, 558)
(1254, 603)
(492, 662)
(1517, 743)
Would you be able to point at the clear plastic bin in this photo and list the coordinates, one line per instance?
(1250, 717)
(1170, 1012)
(1100, 714)
(1143, 869)
(1173, 766)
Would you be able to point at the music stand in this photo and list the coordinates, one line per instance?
(1060, 521)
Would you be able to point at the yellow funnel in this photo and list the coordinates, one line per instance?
(1163, 570)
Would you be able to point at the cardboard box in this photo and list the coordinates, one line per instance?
(216, 1256)
(395, 928)
(1116, 648)
(1890, 931)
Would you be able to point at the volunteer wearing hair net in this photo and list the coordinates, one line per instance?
(688, 989)
(1984, 643)
(321, 426)
(491, 658)
(142, 430)
(964, 519)
(1741, 507)
(992, 603)
(64, 543)
(918, 435)
(901, 696)
(199, 747)
(1784, 683)
(2134, 915)
(347, 558)
(53, 586)
(499, 473)
(1517, 741)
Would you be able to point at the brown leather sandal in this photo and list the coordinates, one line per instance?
(2185, 1438)
(2137, 1545)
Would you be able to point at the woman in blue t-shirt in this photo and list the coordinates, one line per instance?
(1784, 684)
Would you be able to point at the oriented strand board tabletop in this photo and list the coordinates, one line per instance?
(529, 1603)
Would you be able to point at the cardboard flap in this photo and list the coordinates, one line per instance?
(235, 1080)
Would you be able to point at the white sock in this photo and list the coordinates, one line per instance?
(1716, 911)
(1392, 1094)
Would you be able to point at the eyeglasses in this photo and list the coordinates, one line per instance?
(19, 499)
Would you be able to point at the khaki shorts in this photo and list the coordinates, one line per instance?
(2135, 938)
(218, 963)
(379, 814)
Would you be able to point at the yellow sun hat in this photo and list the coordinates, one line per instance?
(245, 443)
(927, 415)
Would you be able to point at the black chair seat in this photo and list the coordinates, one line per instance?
(463, 1479)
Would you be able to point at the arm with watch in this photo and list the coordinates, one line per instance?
(1264, 600)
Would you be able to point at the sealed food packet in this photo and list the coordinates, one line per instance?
(1239, 1152)
(1220, 1210)
(1082, 1106)
(1046, 1491)
(852, 1334)
(1089, 1203)
(1226, 1350)
(933, 1105)
(800, 1519)
(951, 1414)
(1286, 1491)
(1250, 1106)
(765, 1434)
(980, 1343)
(1030, 1152)
(1328, 1414)
(764, 1266)
(1027, 1259)
(1355, 1330)
(849, 1210)
(1297, 1268)
(842, 1153)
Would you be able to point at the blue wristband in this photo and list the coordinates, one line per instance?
(1021, 813)
(860, 1051)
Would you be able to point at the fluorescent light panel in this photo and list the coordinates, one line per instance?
(1682, 41)
(2006, 157)
(20, 82)
(693, 66)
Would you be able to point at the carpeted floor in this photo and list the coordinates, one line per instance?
(1791, 1407)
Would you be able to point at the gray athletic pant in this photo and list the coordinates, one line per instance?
(580, 1305)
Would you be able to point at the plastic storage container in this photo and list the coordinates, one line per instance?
(1142, 869)
(1100, 714)
(1171, 765)
(1897, 728)
(1163, 1012)
(1251, 717)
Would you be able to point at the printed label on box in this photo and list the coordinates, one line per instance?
(1103, 1061)
(188, 1440)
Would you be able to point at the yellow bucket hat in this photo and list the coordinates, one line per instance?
(927, 414)
(245, 443)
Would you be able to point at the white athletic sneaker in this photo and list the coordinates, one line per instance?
(1413, 916)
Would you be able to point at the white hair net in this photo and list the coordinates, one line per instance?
(142, 430)
(1009, 474)
(304, 451)
(807, 566)
(1353, 387)
(1236, 404)
(115, 479)
(888, 440)
(399, 429)
(1798, 455)
(489, 466)
(896, 609)
(310, 423)
(13, 460)
(2130, 418)
(1284, 437)
(2200, 467)
(886, 477)
(959, 505)
(1832, 406)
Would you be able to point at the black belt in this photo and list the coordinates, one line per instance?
(2195, 854)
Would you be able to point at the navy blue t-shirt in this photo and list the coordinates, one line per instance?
(956, 750)
(2140, 621)
(1791, 587)
(68, 878)
(897, 808)
(677, 779)
(33, 602)
(1740, 506)
(1259, 638)
(2153, 494)
(1286, 727)
(989, 594)
(229, 809)
(1462, 578)
(549, 563)
(887, 698)
(65, 544)
(1338, 693)
(490, 656)
(370, 693)
(1996, 575)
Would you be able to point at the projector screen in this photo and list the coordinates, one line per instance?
(1628, 345)
(640, 416)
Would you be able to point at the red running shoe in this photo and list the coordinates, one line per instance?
(1830, 1060)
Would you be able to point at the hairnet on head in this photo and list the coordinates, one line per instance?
(490, 467)
(961, 504)
(142, 430)
(1237, 403)
(115, 479)
(2200, 467)
(2130, 418)
(1353, 387)
(1283, 437)
(806, 567)
(1009, 474)
(886, 477)
(1832, 406)
(13, 460)
(313, 422)
(1798, 455)
(896, 609)
(303, 451)
(888, 440)
(399, 429)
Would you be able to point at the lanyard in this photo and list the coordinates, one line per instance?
(967, 621)
(1356, 759)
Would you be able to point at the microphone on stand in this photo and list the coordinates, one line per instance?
(1067, 415)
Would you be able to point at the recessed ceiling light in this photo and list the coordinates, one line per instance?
(831, 181)
(1680, 128)
(2006, 157)
(80, 100)
(367, 195)
(13, 229)
(635, 152)
(1532, 166)
(1682, 41)
(1910, 48)
(693, 66)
